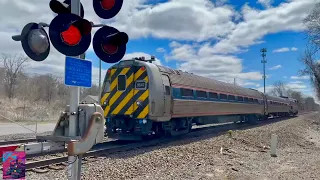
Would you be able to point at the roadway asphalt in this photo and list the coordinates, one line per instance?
(12, 128)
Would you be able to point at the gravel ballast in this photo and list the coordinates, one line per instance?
(11, 137)
(243, 155)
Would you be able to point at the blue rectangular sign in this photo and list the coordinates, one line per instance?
(78, 72)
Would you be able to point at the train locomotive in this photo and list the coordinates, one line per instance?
(142, 99)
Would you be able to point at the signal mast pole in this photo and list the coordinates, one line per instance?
(74, 167)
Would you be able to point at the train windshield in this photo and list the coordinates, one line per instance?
(106, 86)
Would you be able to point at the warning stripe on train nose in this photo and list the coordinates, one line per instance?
(121, 102)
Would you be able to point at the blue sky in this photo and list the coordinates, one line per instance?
(220, 39)
(283, 65)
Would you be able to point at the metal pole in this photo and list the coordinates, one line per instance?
(264, 50)
(264, 77)
(74, 168)
(99, 81)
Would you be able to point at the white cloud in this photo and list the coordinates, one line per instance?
(268, 89)
(232, 31)
(297, 82)
(275, 67)
(141, 54)
(296, 86)
(265, 3)
(285, 49)
(170, 20)
(299, 77)
(281, 50)
(160, 49)
(287, 16)
(193, 58)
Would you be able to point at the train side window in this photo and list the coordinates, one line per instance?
(213, 95)
(250, 100)
(256, 101)
(231, 98)
(201, 94)
(246, 99)
(186, 92)
(240, 98)
(223, 96)
(167, 90)
(122, 79)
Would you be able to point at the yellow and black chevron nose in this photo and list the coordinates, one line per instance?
(132, 101)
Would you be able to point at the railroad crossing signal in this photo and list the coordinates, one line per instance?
(64, 8)
(109, 44)
(71, 35)
(34, 41)
(107, 9)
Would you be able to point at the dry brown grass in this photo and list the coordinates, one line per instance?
(19, 110)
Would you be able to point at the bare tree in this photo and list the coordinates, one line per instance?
(296, 95)
(310, 104)
(94, 90)
(14, 65)
(47, 87)
(312, 67)
(2, 77)
(311, 53)
(312, 22)
(279, 89)
(63, 92)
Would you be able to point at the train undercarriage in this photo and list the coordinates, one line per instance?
(126, 128)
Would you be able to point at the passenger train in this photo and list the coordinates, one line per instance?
(141, 99)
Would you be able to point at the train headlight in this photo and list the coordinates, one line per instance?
(138, 103)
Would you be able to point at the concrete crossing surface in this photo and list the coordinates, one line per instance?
(12, 128)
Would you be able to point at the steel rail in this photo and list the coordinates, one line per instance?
(17, 141)
(105, 148)
(116, 146)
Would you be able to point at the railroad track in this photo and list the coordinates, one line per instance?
(17, 141)
(106, 148)
(58, 163)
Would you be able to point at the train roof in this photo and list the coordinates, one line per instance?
(275, 98)
(179, 77)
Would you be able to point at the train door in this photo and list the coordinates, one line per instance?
(167, 95)
(265, 100)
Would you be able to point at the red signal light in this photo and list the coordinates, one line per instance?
(71, 36)
(142, 68)
(109, 71)
(108, 4)
(110, 49)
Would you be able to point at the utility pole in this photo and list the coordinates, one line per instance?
(234, 81)
(264, 61)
